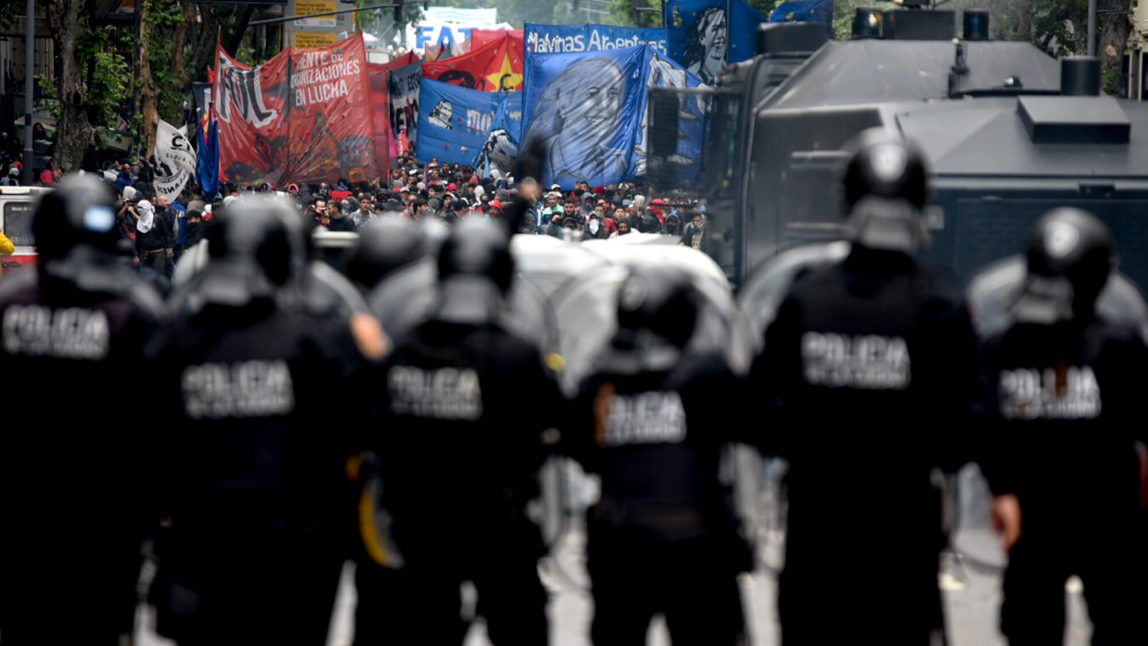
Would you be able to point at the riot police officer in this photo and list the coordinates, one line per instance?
(72, 456)
(868, 364)
(385, 245)
(1062, 462)
(663, 537)
(254, 547)
(466, 407)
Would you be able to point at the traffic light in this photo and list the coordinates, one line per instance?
(398, 10)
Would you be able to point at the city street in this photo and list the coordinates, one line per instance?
(971, 586)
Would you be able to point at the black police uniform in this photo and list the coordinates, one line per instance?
(466, 404)
(256, 491)
(78, 427)
(663, 538)
(869, 363)
(1068, 383)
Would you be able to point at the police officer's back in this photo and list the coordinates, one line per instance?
(466, 404)
(257, 457)
(869, 364)
(75, 449)
(654, 417)
(1061, 458)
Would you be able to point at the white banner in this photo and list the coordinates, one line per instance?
(175, 160)
(173, 148)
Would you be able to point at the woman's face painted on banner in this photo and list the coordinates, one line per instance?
(581, 110)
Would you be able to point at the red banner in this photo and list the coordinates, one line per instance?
(303, 116)
(381, 115)
(493, 67)
(484, 37)
(403, 61)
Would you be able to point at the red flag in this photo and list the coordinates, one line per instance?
(484, 37)
(211, 75)
(491, 68)
(404, 143)
(402, 61)
(303, 116)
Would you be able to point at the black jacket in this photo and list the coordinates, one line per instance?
(1065, 404)
(461, 436)
(870, 374)
(655, 438)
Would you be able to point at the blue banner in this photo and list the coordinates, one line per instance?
(704, 35)
(586, 110)
(743, 23)
(803, 11)
(566, 39)
(500, 151)
(455, 122)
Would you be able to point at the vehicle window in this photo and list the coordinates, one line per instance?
(17, 223)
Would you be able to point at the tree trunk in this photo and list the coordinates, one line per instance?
(203, 56)
(149, 93)
(182, 33)
(239, 30)
(74, 132)
(1110, 47)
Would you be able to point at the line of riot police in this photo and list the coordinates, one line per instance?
(276, 429)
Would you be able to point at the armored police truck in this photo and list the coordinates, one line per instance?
(1008, 131)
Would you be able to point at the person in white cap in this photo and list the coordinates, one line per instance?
(13, 178)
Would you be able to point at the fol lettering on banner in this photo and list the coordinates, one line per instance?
(868, 362)
(238, 390)
(442, 393)
(72, 333)
(644, 418)
(1064, 392)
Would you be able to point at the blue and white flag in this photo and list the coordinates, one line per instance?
(803, 11)
(585, 111)
(705, 35)
(500, 151)
(455, 122)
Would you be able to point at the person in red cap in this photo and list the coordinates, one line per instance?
(656, 206)
(452, 187)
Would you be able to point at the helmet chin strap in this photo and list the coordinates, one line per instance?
(885, 224)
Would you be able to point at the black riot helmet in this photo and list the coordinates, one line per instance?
(79, 211)
(657, 313)
(884, 188)
(475, 270)
(251, 255)
(1069, 257)
(385, 244)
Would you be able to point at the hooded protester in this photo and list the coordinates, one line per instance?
(595, 230)
(196, 228)
(623, 228)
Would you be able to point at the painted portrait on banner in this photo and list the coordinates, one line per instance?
(578, 118)
(707, 45)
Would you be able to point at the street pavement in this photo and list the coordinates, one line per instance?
(970, 582)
